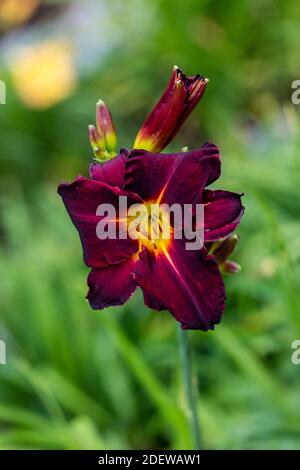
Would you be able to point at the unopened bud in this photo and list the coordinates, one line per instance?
(105, 127)
(230, 267)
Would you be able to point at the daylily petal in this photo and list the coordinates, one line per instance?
(82, 198)
(112, 171)
(172, 178)
(187, 283)
(222, 213)
(112, 285)
(178, 100)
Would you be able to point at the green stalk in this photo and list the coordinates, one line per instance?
(190, 396)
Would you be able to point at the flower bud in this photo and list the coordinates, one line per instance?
(221, 251)
(224, 248)
(95, 139)
(230, 267)
(178, 100)
(105, 127)
(103, 137)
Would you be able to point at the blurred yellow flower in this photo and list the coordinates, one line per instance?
(13, 12)
(44, 74)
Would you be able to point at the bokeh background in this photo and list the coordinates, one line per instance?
(80, 379)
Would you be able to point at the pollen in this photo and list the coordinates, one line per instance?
(149, 223)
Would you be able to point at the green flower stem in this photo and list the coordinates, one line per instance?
(190, 396)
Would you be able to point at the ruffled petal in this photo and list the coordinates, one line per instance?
(82, 198)
(187, 283)
(112, 285)
(172, 178)
(112, 171)
(222, 213)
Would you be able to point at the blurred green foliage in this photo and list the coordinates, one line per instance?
(79, 379)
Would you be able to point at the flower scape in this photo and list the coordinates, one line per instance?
(186, 282)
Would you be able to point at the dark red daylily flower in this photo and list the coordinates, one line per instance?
(187, 283)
